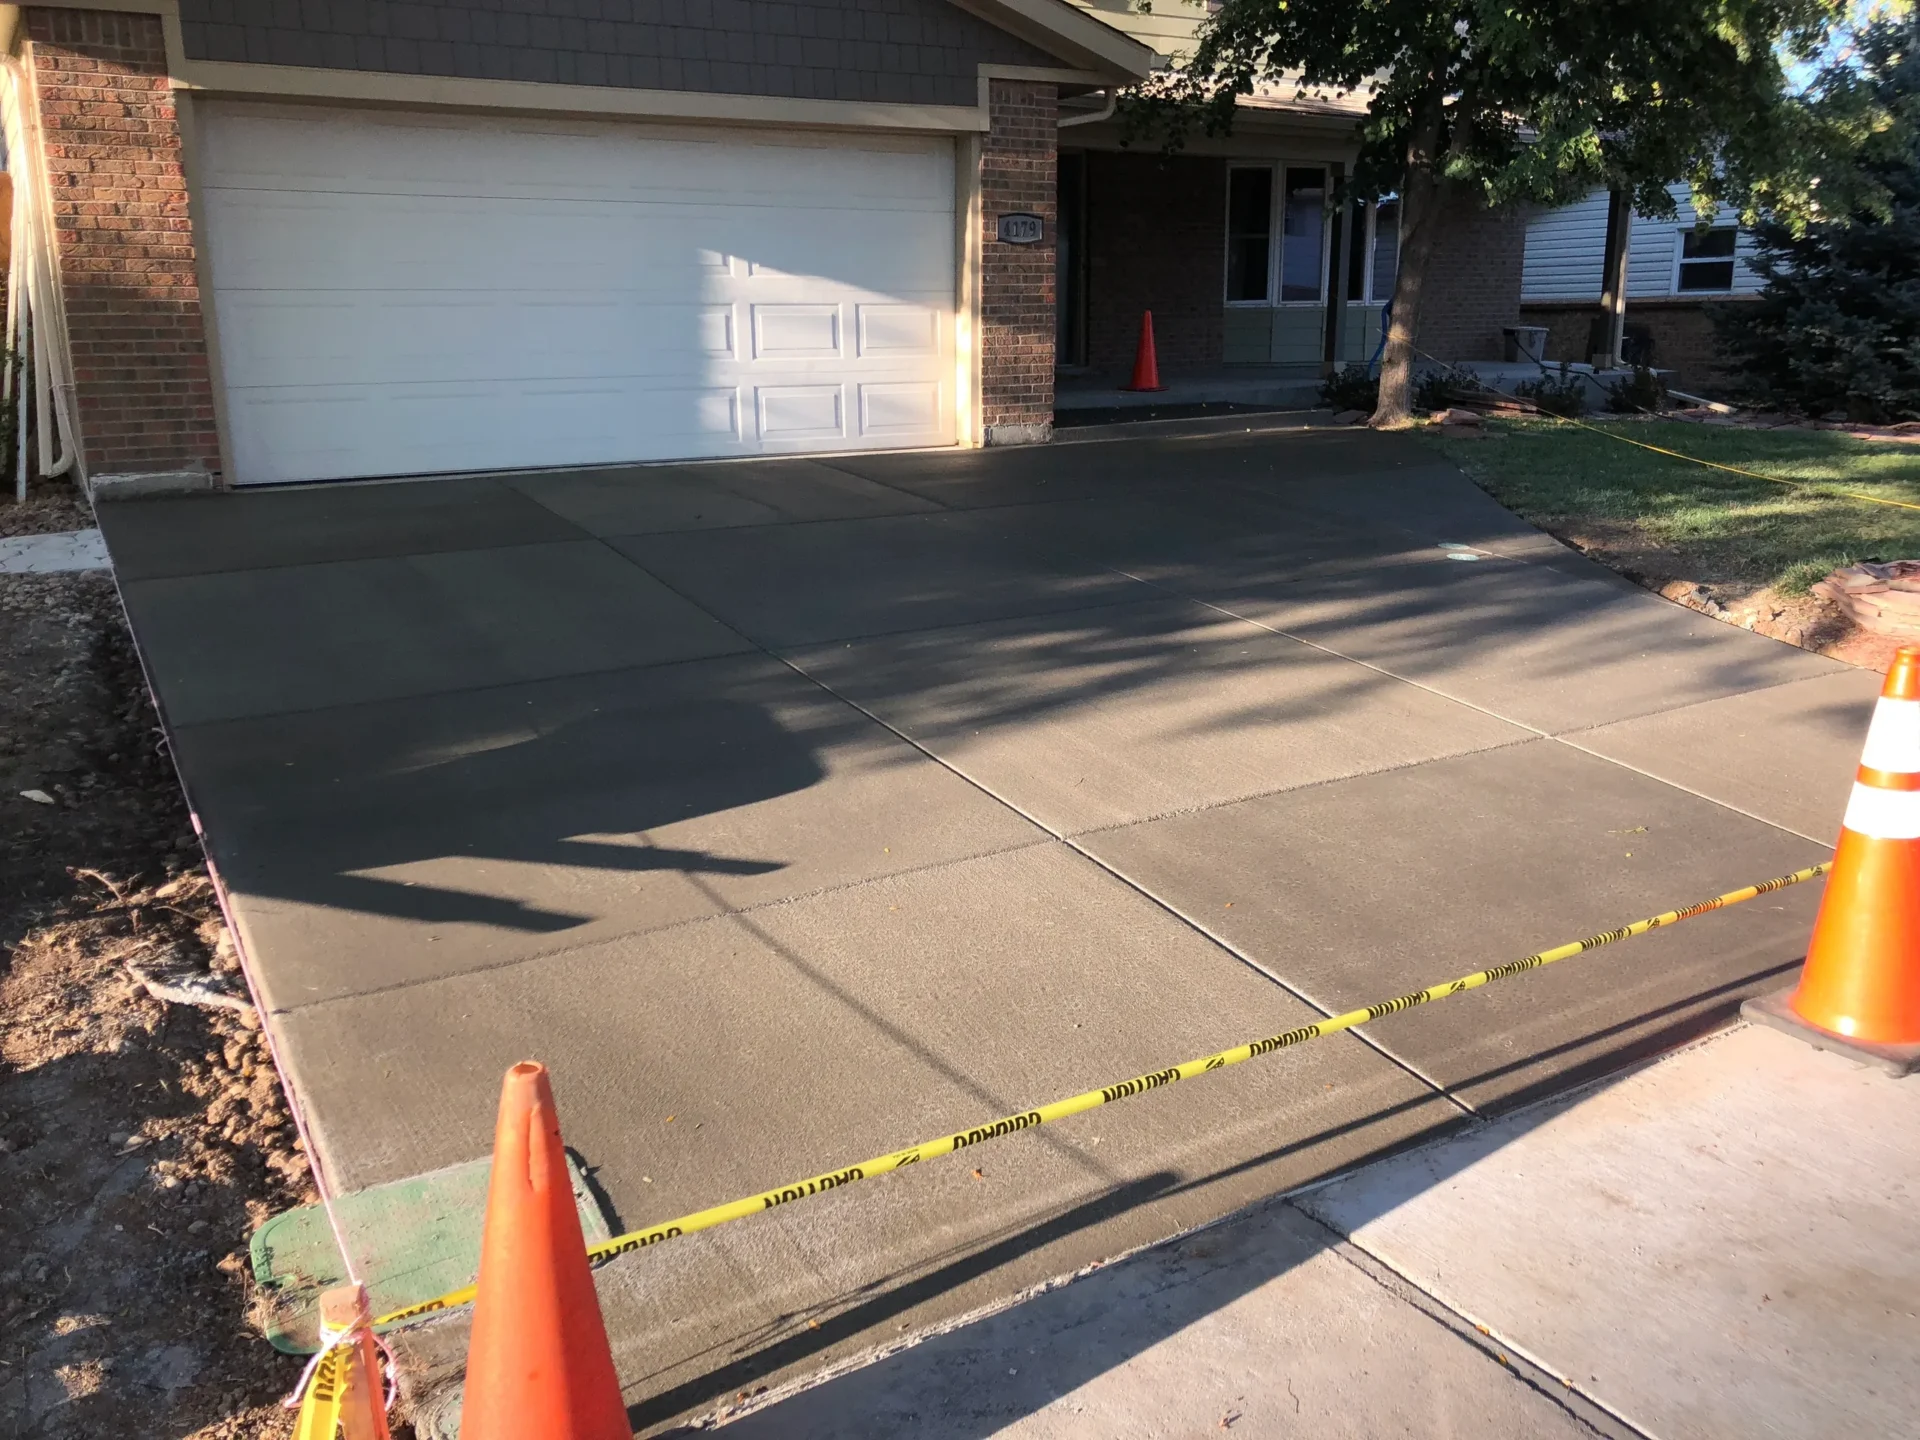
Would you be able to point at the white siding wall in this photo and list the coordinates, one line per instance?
(1566, 248)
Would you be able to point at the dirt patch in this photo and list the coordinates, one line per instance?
(1804, 620)
(140, 1140)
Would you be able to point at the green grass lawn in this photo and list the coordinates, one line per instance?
(1716, 527)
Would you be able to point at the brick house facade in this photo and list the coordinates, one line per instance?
(142, 390)
(1472, 288)
(161, 377)
(120, 141)
(1156, 239)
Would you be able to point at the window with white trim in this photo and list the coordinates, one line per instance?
(1303, 234)
(1249, 234)
(1703, 261)
(1276, 234)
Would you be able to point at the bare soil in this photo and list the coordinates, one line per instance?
(140, 1141)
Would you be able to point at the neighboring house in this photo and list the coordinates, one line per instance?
(314, 241)
(1676, 273)
(1235, 247)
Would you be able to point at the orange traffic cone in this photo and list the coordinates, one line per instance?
(1146, 367)
(1860, 988)
(538, 1362)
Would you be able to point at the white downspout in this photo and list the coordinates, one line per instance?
(36, 260)
(1105, 112)
(15, 326)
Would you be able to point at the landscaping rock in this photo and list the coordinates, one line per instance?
(1882, 598)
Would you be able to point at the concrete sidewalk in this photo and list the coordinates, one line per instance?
(1718, 1246)
(795, 810)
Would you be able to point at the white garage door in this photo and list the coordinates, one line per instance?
(399, 294)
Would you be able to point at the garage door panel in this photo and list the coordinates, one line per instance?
(262, 147)
(398, 295)
(334, 241)
(891, 331)
(907, 409)
(369, 431)
(280, 340)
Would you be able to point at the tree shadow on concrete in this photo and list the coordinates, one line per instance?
(955, 1385)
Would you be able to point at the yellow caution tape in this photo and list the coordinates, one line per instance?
(324, 1391)
(1736, 470)
(1693, 459)
(1138, 1085)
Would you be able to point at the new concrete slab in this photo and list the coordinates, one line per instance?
(1097, 718)
(1423, 496)
(210, 533)
(309, 636)
(1193, 457)
(645, 499)
(1362, 889)
(455, 832)
(1782, 753)
(730, 1055)
(1262, 1326)
(1527, 642)
(1201, 535)
(795, 585)
(554, 797)
(1718, 1246)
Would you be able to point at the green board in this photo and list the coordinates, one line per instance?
(412, 1239)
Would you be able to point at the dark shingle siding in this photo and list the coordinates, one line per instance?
(898, 51)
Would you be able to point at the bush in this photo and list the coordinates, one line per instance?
(1350, 388)
(1836, 326)
(1557, 392)
(1437, 389)
(1642, 393)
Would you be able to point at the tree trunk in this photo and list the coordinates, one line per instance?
(1613, 278)
(1421, 197)
(1420, 204)
(1423, 201)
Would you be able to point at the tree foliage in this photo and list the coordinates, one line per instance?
(1837, 325)
(1506, 101)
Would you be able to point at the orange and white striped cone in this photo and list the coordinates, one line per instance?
(1859, 990)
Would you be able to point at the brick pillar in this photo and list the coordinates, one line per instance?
(144, 394)
(1017, 158)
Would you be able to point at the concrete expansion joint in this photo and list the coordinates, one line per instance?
(738, 912)
(1558, 738)
(1591, 1414)
(1205, 806)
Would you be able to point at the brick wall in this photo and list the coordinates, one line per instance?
(1017, 174)
(119, 201)
(1472, 285)
(923, 52)
(1156, 240)
(1681, 331)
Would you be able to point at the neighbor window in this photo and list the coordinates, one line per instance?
(1706, 260)
(1303, 226)
(1249, 233)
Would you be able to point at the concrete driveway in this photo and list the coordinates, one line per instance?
(796, 810)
